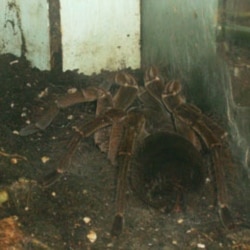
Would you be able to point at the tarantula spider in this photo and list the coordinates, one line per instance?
(160, 165)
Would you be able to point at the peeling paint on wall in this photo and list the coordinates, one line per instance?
(100, 35)
(11, 38)
(24, 29)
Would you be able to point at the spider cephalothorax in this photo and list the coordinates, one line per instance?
(124, 131)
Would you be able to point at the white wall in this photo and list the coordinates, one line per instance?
(100, 35)
(96, 34)
(25, 23)
(10, 39)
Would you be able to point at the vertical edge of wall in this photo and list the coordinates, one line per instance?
(100, 35)
(35, 26)
(55, 36)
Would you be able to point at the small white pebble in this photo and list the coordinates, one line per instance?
(236, 72)
(92, 236)
(45, 159)
(27, 121)
(190, 230)
(207, 180)
(86, 220)
(200, 245)
(15, 132)
(180, 221)
(14, 161)
(109, 245)
(43, 93)
(3, 197)
(12, 105)
(72, 90)
(53, 194)
(174, 242)
(23, 114)
(70, 117)
(26, 209)
(210, 207)
(14, 62)
(28, 84)
(84, 191)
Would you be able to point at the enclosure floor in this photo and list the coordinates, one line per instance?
(81, 203)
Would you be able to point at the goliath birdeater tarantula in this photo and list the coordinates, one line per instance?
(160, 165)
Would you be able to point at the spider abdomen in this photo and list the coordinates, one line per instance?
(165, 166)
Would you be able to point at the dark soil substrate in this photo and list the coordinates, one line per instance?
(81, 203)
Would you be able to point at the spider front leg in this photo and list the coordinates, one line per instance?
(85, 95)
(210, 133)
(133, 129)
(111, 116)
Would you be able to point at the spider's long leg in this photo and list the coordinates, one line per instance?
(86, 130)
(121, 194)
(222, 195)
(127, 91)
(85, 95)
(134, 126)
(211, 134)
(154, 85)
(56, 174)
(43, 122)
(123, 99)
